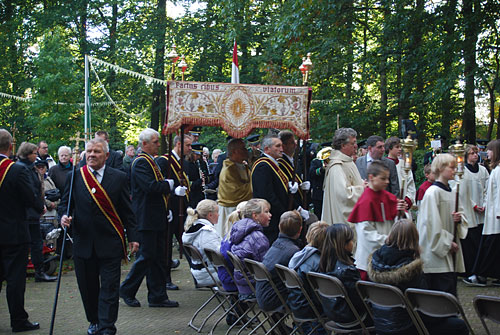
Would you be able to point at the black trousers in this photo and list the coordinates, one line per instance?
(99, 283)
(150, 263)
(13, 261)
(446, 282)
(36, 245)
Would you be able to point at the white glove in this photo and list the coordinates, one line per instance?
(170, 217)
(170, 183)
(180, 191)
(293, 187)
(305, 186)
(303, 213)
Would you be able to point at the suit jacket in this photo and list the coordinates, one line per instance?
(173, 201)
(16, 194)
(393, 186)
(267, 185)
(115, 160)
(147, 200)
(91, 229)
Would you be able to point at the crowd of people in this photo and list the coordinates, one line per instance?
(350, 215)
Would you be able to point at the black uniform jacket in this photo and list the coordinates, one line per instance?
(147, 196)
(91, 229)
(16, 194)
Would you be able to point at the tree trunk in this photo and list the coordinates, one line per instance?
(158, 106)
(470, 12)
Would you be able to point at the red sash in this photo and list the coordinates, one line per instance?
(157, 172)
(266, 160)
(288, 169)
(4, 168)
(176, 168)
(100, 196)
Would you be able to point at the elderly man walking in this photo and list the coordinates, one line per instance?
(101, 215)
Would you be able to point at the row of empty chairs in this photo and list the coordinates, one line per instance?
(414, 301)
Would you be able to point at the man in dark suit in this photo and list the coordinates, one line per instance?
(16, 195)
(271, 183)
(115, 160)
(376, 149)
(100, 214)
(150, 192)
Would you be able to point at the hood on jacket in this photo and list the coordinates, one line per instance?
(195, 230)
(338, 156)
(397, 272)
(302, 256)
(242, 228)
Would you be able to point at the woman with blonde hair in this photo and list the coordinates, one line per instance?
(200, 233)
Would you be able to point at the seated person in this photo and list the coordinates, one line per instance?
(336, 260)
(398, 263)
(248, 240)
(280, 252)
(200, 233)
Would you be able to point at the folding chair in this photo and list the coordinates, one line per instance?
(217, 290)
(240, 267)
(487, 308)
(218, 260)
(293, 281)
(387, 296)
(330, 287)
(261, 273)
(435, 304)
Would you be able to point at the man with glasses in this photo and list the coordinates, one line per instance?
(43, 154)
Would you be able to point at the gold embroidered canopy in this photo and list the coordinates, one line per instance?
(237, 108)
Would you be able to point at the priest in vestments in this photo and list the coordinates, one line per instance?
(234, 183)
(343, 184)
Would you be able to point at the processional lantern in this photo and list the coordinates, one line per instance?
(302, 69)
(183, 66)
(458, 150)
(173, 57)
(408, 145)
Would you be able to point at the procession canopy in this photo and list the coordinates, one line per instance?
(237, 108)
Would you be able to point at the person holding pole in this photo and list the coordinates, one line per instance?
(441, 226)
(150, 191)
(16, 195)
(100, 213)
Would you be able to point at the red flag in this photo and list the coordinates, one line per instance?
(235, 72)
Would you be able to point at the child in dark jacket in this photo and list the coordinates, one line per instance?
(336, 260)
(280, 252)
(398, 263)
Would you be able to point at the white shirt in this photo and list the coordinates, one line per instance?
(100, 173)
(274, 160)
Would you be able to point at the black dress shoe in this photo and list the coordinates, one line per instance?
(25, 326)
(172, 287)
(93, 328)
(175, 263)
(165, 303)
(41, 276)
(131, 302)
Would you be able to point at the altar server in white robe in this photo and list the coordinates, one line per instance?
(374, 215)
(343, 184)
(393, 151)
(440, 229)
(472, 197)
(486, 264)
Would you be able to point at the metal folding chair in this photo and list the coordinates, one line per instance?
(260, 273)
(240, 267)
(330, 287)
(218, 260)
(487, 308)
(293, 281)
(216, 288)
(387, 296)
(435, 304)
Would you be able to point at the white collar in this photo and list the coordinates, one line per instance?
(175, 155)
(274, 160)
(289, 158)
(100, 171)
